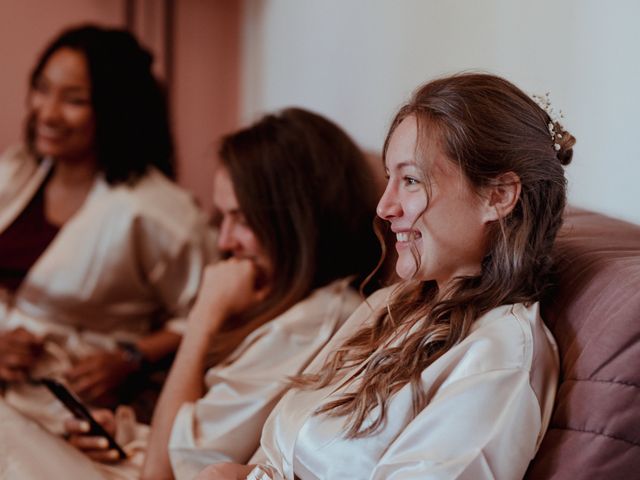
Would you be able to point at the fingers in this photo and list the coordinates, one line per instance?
(87, 367)
(89, 443)
(75, 426)
(87, 378)
(17, 360)
(11, 375)
(97, 448)
(89, 385)
(91, 388)
(106, 456)
(106, 418)
(94, 446)
(99, 376)
(21, 341)
(25, 337)
(19, 350)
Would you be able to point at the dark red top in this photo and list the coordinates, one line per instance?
(22, 243)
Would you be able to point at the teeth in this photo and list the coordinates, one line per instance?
(404, 236)
(49, 131)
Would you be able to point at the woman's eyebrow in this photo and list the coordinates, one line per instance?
(401, 165)
(69, 88)
(408, 163)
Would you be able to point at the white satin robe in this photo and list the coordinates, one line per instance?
(491, 398)
(129, 260)
(224, 425)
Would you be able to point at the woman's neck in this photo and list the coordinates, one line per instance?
(68, 188)
(74, 175)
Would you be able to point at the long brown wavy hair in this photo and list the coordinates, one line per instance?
(487, 127)
(308, 193)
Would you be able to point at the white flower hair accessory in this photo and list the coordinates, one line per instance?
(544, 103)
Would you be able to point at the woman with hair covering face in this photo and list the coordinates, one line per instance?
(294, 199)
(451, 373)
(102, 253)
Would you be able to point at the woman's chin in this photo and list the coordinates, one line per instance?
(404, 271)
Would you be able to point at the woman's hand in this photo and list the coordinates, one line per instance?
(225, 471)
(19, 351)
(96, 377)
(95, 447)
(228, 288)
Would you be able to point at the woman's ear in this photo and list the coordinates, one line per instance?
(501, 196)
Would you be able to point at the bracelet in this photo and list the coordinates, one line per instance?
(133, 354)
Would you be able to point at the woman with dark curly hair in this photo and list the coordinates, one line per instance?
(102, 253)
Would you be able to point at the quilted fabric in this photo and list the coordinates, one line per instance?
(594, 314)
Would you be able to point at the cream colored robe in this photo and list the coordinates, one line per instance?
(130, 259)
(491, 398)
(225, 424)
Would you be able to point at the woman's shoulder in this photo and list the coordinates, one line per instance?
(20, 177)
(158, 200)
(155, 190)
(15, 162)
(334, 300)
(508, 337)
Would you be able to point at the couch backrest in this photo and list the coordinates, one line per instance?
(594, 314)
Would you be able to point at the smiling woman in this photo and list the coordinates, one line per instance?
(447, 243)
(101, 252)
(451, 373)
(60, 102)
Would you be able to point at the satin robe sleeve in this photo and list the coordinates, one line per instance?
(489, 402)
(173, 265)
(439, 444)
(128, 262)
(225, 425)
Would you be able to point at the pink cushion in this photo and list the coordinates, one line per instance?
(594, 314)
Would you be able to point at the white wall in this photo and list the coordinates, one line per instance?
(357, 60)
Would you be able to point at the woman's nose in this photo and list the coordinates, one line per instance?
(226, 239)
(389, 206)
(48, 109)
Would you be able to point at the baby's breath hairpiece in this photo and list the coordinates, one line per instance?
(544, 103)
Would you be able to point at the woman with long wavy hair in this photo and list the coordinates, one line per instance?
(294, 202)
(450, 373)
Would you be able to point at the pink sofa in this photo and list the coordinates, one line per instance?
(594, 313)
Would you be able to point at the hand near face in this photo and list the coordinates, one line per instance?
(95, 447)
(19, 351)
(97, 376)
(228, 288)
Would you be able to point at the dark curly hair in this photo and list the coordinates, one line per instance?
(132, 125)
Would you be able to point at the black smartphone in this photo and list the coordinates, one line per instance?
(80, 411)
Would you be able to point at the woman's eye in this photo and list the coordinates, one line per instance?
(410, 180)
(78, 101)
(215, 220)
(241, 220)
(40, 87)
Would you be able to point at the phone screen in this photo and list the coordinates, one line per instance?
(80, 411)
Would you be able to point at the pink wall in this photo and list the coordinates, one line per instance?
(205, 77)
(206, 80)
(26, 26)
